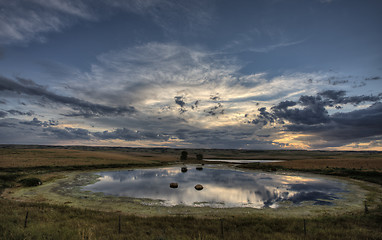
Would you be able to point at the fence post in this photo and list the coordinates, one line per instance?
(26, 220)
(119, 224)
(221, 228)
(366, 208)
(304, 228)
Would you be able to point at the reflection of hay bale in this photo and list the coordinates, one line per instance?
(199, 168)
(184, 169)
(173, 185)
(198, 187)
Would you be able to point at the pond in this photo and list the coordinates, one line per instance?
(242, 160)
(222, 187)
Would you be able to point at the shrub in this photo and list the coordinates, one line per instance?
(183, 155)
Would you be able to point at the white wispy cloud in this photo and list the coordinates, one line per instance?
(262, 39)
(153, 77)
(22, 21)
(186, 95)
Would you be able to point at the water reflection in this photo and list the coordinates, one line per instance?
(242, 160)
(221, 187)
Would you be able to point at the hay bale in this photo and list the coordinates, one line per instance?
(30, 182)
(198, 187)
(173, 185)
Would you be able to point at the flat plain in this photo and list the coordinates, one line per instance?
(21, 219)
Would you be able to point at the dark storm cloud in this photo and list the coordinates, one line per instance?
(130, 135)
(215, 97)
(222, 137)
(314, 111)
(332, 97)
(308, 115)
(311, 110)
(344, 128)
(36, 122)
(180, 101)
(337, 81)
(195, 105)
(263, 118)
(373, 78)
(68, 133)
(17, 112)
(83, 108)
(215, 110)
(370, 116)
(3, 114)
(264, 135)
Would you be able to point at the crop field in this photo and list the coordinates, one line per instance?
(43, 220)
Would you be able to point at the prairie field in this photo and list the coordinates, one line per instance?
(44, 220)
(24, 158)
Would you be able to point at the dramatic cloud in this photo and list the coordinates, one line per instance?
(129, 135)
(36, 122)
(3, 114)
(16, 112)
(83, 108)
(216, 110)
(309, 116)
(23, 21)
(345, 128)
(373, 78)
(312, 109)
(180, 101)
(68, 133)
(332, 97)
(191, 73)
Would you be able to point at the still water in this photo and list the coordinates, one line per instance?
(222, 187)
(241, 161)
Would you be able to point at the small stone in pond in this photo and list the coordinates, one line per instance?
(198, 187)
(173, 185)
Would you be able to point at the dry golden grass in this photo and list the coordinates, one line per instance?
(67, 157)
(350, 163)
(34, 157)
(310, 159)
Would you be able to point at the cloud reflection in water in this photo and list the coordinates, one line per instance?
(222, 187)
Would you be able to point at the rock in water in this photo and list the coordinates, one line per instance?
(198, 187)
(173, 185)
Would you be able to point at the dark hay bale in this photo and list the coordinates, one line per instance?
(30, 182)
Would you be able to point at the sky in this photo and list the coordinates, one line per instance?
(243, 74)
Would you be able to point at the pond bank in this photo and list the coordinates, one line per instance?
(67, 191)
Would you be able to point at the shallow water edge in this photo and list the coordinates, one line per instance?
(67, 191)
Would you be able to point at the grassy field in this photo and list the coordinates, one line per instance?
(59, 222)
(48, 221)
